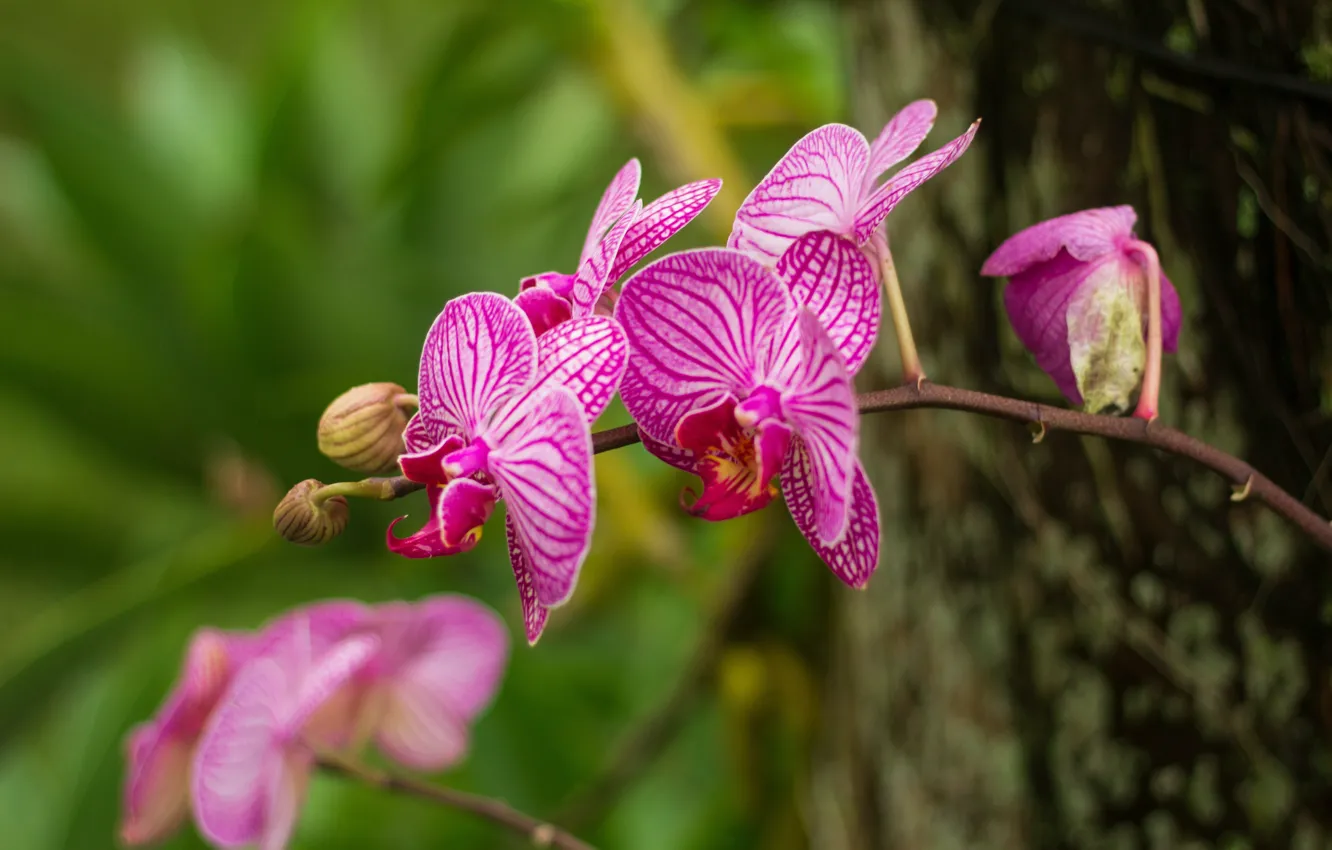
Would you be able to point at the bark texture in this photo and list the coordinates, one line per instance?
(1080, 644)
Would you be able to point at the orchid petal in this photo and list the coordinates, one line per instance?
(426, 465)
(854, 558)
(480, 350)
(544, 308)
(1086, 235)
(587, 356)
(463, 658)
(286, 793)
(428, 542)
(660, 220)
(237, 755)
(735, 464)
(594, 273)
(876, 209)
(419, 731)
(615, 202)
(330, 671)
(819, 401)
(157, 797)
(1037, 301)
(899, 138)
(815, 186)
(833, 278)
(534, 614)
(695, 323)
(1172, 315)
(678, 457)
(542, 462)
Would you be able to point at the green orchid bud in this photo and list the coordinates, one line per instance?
(362, 429)
(304, 518)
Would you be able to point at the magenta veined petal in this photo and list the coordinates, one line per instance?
(680, 458)
(833, 278)
(899, 139)
(1037, 301)
(660, 220)
(587, 356)
(815, 186)
(855, 557)
(428, 542)
(463, 509)
(542, 463)
(615, 202)
(415, 437)
(480, 350)
(544, 308)
(819, 402)
(1085, 235)
(881, 203)
(594, 274)
(534, 613)
(426, 465)
(695, 322)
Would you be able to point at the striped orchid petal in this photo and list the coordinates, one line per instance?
(585, 355)
(615, 202)
(899, 139)
(876, 208)
(534, 613)
(660, 220)
(695, 322)
(831, 276)
(545, 308)
(676, 456)
(816, 186)
(442, 660)
(542, 463)
(594, 273)
(819, 402)
(480, 350)
(854, 558)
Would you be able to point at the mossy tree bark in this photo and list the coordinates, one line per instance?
(1079, 644)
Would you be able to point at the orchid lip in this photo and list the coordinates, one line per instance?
(468, 460)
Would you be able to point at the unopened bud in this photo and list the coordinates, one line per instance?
(302, 520)
(362, 429)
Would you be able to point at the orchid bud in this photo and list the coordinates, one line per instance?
(302, 519)
(362, 429)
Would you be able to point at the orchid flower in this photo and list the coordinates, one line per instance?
(829, 180)
(253, 762)
(1082, 291)
(438, 666)
(159, 751)
(733, 379)
(505, 416)
(622, 232)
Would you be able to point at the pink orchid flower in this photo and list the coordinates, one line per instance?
(1079, 297)
(622, 232)
(254, 759)
(159, 752)
(438, 667)
(505, 416)
(829, 180)
(734, 379)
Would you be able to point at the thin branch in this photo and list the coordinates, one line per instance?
(539, 833)
(1044, 417)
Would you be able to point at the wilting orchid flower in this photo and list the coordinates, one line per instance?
(732, 379)
(438, 666)
(160, 750)
(254, 760)
(1082, 291)
(622, 233)
(504, 416)
(829, 180)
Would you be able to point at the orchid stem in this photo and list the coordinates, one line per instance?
(1151, 378)
(906, 343)
(383, 489)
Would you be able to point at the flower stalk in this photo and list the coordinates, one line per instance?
(912, 373)
(1150, 393)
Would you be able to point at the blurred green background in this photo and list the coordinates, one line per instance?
(216, 217)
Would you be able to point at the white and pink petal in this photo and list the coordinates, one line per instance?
(832, 277)
(660, 220)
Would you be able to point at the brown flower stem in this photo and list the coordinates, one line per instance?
(1151, 376)
(1041, 417)
(539, 833)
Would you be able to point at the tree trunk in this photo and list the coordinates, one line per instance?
(1081, 644)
